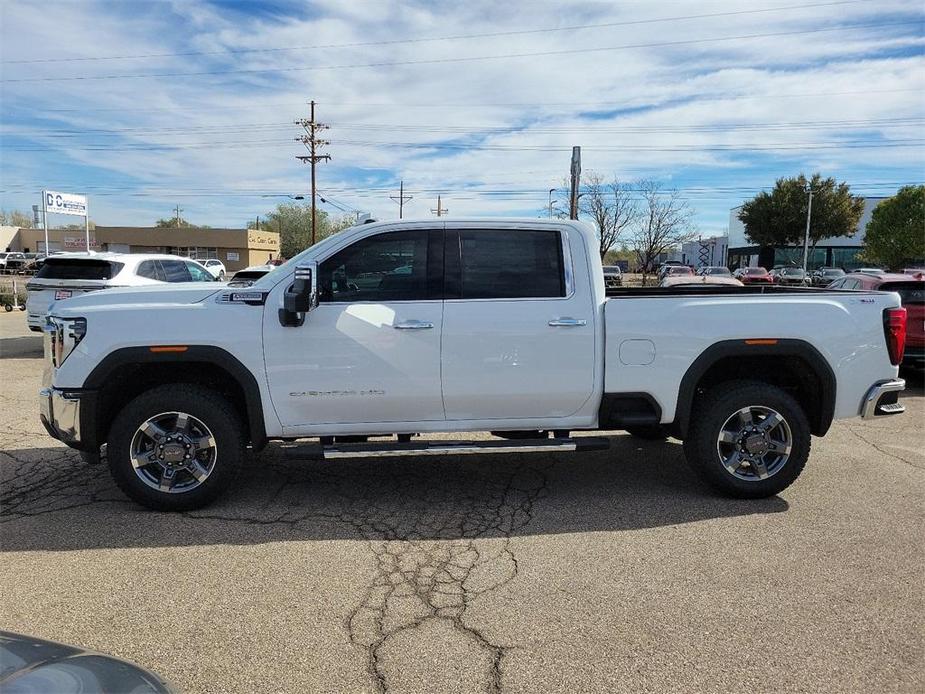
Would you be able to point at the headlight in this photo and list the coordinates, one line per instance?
(62, 335)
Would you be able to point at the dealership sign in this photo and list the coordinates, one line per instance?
(65, 203)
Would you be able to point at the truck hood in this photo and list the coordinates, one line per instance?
(182, 293)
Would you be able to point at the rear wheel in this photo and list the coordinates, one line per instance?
(176, 447)
(748, 439)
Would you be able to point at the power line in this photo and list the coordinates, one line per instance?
(456, 37)
(522, 104)
(477, 129)
(439, 61)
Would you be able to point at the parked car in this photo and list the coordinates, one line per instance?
(70, 274)
(824, 276)
(361, 335)
(714, 271)
(914, 271)
(753, 275)
(663, 268)
(11, 261)
(613, 276)
(249, 275)
(699, 280)
(215, 267)
(790, 276)
(35, 666)
(677, 271)
(911, 290)
(870, 271)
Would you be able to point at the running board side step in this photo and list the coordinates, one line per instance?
(393, 449)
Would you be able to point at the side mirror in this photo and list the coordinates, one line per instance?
(301, 296)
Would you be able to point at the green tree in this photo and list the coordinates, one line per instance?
(778, 218)
(15, 218)
(896, 231)
(293, 221)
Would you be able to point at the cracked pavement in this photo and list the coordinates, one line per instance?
(598, 572)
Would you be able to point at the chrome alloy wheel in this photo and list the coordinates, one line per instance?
(754, 443)
(173, 452)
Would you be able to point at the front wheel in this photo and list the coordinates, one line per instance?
(748, 439)
(176, 447)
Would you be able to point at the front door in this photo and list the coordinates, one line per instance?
(370, 351)
(518, 330)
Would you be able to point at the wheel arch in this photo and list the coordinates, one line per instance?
(127, 372)
(793, 364)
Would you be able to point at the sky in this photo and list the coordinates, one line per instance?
(146, 105)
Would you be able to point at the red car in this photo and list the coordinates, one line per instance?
(754, 275)
(911, 290)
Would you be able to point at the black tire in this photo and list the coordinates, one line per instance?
(713, 410)
(212, 409)
(8, 307)
(649, 432)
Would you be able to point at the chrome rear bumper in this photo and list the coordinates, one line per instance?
(872, 405)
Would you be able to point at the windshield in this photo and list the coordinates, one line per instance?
(756, 271)
(272, 277)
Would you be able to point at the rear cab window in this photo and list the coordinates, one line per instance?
(505, 264)
(909, 292)
(78, 269)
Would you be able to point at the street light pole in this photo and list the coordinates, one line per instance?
(551, 191)
(809, 213)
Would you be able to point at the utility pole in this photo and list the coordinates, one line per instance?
(313, 144)
(575, 183)
(401, 199)
(178, 215)
(551, 191)
(809, 213)
(441, 210)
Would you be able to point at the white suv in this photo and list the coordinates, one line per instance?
(215, 267)
(69, 274)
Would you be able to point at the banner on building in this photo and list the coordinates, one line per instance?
(79, 242)
(65, 203)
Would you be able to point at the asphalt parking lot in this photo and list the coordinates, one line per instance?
(599, 572)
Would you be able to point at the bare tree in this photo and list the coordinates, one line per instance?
(610, 206)
(665, 222)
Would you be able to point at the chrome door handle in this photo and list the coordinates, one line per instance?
(414, 325)
(567, 322)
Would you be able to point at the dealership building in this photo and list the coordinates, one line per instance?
(840, 251)
(236, 248)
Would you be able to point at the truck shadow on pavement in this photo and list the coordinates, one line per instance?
(440, 533)
(57, 502)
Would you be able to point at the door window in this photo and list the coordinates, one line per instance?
(509, 264)
(176, 271)
(199, 274)
(152, 270)
(383, 268)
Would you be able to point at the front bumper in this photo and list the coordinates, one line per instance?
(66, 416)
(883, 399)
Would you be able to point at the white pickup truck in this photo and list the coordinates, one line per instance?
(390, 330)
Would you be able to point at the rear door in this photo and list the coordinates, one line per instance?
(61, 278)
(518, 339)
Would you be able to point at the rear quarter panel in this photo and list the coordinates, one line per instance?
(845, 327)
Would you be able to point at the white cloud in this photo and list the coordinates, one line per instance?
(233, 132)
